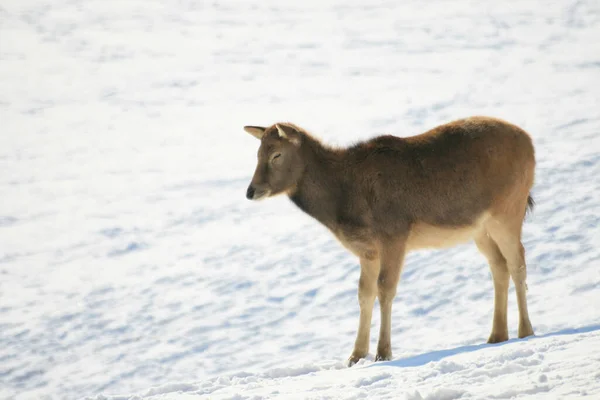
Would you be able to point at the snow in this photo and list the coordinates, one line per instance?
(551, 366)
(133, 267)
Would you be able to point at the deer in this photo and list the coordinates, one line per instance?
(466, 180)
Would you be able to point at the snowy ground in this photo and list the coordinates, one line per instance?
(130, 258)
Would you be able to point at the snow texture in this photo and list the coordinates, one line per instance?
(133, 267)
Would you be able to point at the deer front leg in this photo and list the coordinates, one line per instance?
(367, 291)
(392, 259)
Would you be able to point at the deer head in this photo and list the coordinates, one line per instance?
(279, 164)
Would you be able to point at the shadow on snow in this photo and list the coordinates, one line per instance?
(437, 355)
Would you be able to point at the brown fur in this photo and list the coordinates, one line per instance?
(469, 179)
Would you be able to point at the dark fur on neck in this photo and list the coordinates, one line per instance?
(325, 188)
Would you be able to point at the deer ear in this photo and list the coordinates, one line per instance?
(288, 133)
(256, 131)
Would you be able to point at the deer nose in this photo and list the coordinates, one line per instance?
(250, 192)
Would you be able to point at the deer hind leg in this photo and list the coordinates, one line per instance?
(367, 291)
(507, 234)
(500, 276)
(392, 259)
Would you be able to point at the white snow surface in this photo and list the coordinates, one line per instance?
(133, 267)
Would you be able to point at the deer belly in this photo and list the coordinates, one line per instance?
(423, 235)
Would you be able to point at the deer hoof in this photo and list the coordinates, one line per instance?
(383, 356)
(354, 358)
(498, 337)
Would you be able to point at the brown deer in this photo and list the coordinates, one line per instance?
(469, 179)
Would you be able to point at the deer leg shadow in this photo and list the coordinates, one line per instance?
(437, 355)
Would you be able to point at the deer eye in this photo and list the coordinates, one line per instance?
(275, 156)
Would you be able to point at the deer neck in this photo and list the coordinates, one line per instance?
(318, 189)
